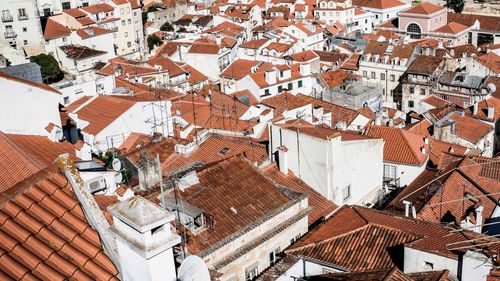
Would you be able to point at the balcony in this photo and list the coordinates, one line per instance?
(22, 17)
(10, 34)
(391, 183)
(7, 18)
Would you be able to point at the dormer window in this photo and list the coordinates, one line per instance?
(323, 5)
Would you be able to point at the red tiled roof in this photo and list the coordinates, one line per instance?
(101, 111)
(54, 30)
(371, 234)
(482, 109)
(98, 8)
(254, 44)
(469, 128)
(210, 152)
(378, 4)
(168, 48)
(489, 23)
(29, 83)
(339, 113)
(76, 13)
(338, 77)
(425, 8)
(85, 21)
(401, 146)
(425, 65)
(239, 69)
(45, 235)
(491, 61)
(195, 76)
(245, 95)
(231, 184)
(166, 64)
(91, 31)
(200, 48)
(451, 27)
(438, 149)
(304, 56)
(352, 63)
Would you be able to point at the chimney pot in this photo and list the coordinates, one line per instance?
(491, 112)
(283, 159)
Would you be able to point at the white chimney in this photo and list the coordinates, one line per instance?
(407, 207)
(283, 159)
(144, 240)
(491, 112)
(474, 108)
(479, 219)
(271, 76)
(305, 69)
(422, 149)
(218, 40)
(426, 140)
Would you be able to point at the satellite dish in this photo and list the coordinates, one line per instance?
(118, 177)
(116, 164)
(193, 268)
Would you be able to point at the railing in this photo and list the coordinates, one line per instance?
(10, 34)
(22, 17)
(391, 182)
(7, 18)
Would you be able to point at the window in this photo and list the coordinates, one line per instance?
(414, 30)
(128, 10)
(365, 74)
(66, 5)
(300, 84)
(393, 77)
(382, 76)
(389, 171)
(280, 89)
(251, 272)
(64, 39)
(376, 16)
(123, 22)
(281, 74)
(428, 265)
(410, 104)
(46, 12)
(129, 21)
(374, 75)
(25, 29)
(266, 92)
(85, 4)
(122, 11)
(346, 193)
(126, 34)
(66, 100)
(290, 86)
(422, 92)
(22, 14)
(129, 44)
(25, 42)
(273, 255)
(412, 90)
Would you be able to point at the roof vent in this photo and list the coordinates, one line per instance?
(89, 31)
(234, 210)
(224, 151)
(188, 180)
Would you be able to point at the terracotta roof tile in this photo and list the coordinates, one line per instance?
(24, 155)
(210, 152)
(352, 63)
(48, 249)
(85, 21)
(98, 8)
(78, 52)
(425, 65)
(54, 30)
(167, 64)
(336, 78)
(425, 8)
(452, 27)
(401, 146)
(486, 22)
(378, 4)
(469, 128)
(199, 48)
(91, 31)
(254, 44)
(76, 13)
(101, 111)
(491, 61)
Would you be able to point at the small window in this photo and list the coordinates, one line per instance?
(393, 77)
(281, 74)
(365, 74)
(428, 265)
(290, 86)
(382, 76)
(123, 22)
(266, 92)
(412, 90)
(126, 34)
(25, 42)
(410, 104)
(66, 5)
(25, 29)
(273, 256)
(280, 89)
(129, 44)
(374, 75)
(66, 100)
(346, 193)
(300, 84)
(251, 272)
(129, 21)
(422, 92)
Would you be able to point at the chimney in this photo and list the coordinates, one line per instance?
(283, 159)
(474, 108)
(491, 112)
(177, 131)
(305, 69)
(270, 77)
(390, 123)
(218, 40)
(144, 240)
(407, 208)
(426, 140)
(479, 219)
(156, 138)
(422, 149)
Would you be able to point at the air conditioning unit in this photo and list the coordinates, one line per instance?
(96, 185)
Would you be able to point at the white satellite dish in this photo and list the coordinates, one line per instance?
(193, 268)
(116, 164)
(118, 177)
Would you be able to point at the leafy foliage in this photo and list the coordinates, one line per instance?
(153, 41)
(167, 27)
(456, 5)
(51, 72)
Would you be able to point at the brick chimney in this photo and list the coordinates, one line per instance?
(144, 240)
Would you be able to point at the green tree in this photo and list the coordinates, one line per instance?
(145, 14)
(167, 27)
(456, 5)
(153, 41)
(51, 72)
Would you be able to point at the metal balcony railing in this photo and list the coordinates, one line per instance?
(22, 17)
(7, 18)
(10, 34)
(392, 182)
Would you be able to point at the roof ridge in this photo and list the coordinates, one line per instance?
(406, 133)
